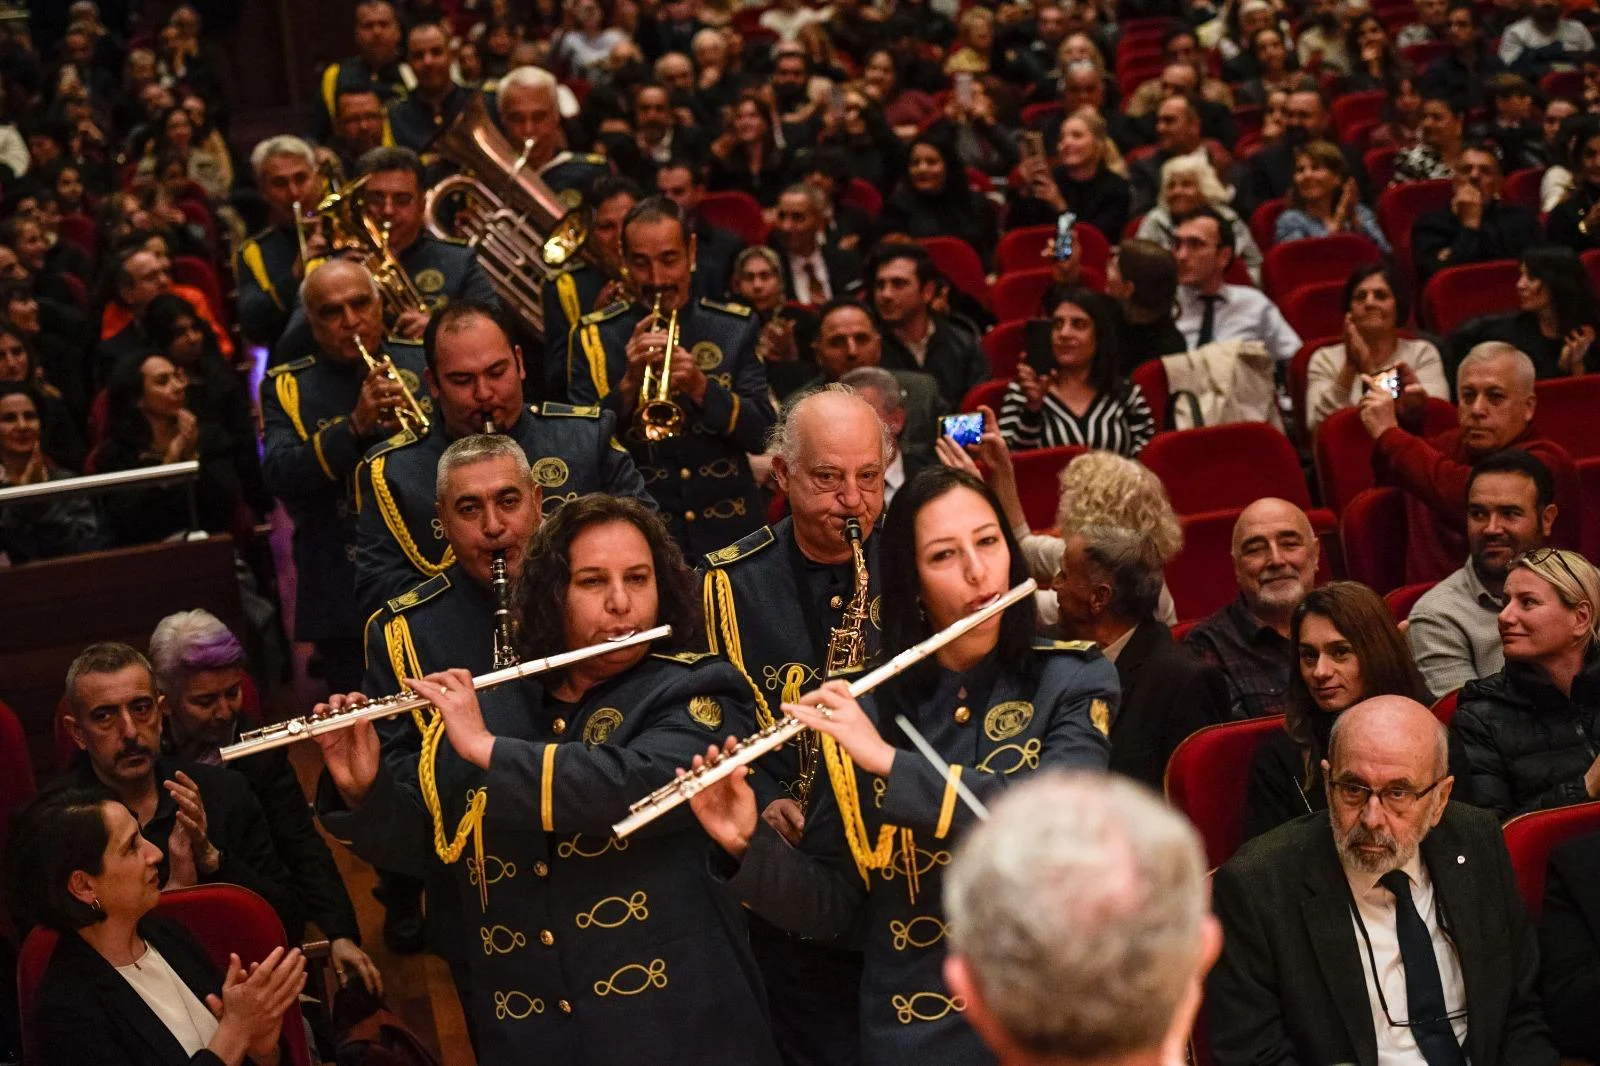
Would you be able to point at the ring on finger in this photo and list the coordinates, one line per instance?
(826, 712)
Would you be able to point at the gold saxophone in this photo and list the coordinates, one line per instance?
(847, 650)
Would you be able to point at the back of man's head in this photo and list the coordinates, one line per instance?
(1078, 922)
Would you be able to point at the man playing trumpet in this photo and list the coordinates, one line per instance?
(271, 264)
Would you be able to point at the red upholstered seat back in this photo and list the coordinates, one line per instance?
(1566, 413)
(1206, 780)
(1343, 451)
(1213, 468)
(1531, 837)
(1039, 481)
(1305, 262)
(737, 211)
(1403, 599)
(1373, 532)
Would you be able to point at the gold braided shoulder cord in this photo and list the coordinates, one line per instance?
(403, 659)
(397, 524)
(730, 640)
(842, 775)
(288, 390)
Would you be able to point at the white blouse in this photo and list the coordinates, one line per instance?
(164, 992)
(1323, 397)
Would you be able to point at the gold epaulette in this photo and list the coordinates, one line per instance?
(399, 440)
(566, 410)
(728, 308)
(687, 658)
(1078, 647)
(611, 310)
(419, 593)
(289, 368)
(746, 545)
(448, 240)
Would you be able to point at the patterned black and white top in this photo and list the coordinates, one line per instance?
(1115, 422)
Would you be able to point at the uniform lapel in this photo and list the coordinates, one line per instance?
(1326, 911)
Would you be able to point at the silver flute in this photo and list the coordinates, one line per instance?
(677, 792)
(277, 736)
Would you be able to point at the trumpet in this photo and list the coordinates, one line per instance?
(676, 793)
(658, 417)
(409, 411)
(284, 733)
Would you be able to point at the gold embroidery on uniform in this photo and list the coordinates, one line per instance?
(501, 870)
(1026, 755)
(875, 612)
(902, 861)
(633, 909)
(790, 678)
(516, 1005)
(706, 710)
(909, 1009)
(429, 280)
(655, 976)
(553, 500)
(706, 355)
(1006, 720)
(550, 472)
(719, 468)
(724, 555)
(906, 934)
(500, 940)
(570, 848)
(1100, 716)
(601, 725)
(724, 509)
(879, 787)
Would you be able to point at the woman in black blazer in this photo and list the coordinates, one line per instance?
(124, 987)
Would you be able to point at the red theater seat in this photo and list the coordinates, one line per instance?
(1343, 451)
(1206, 780)
(1315, 310)
(1403, 599)
(1372, 531)
(1030, 247)
(987, 395)
(960, 265)
(1264, 222)
(16, 770)
(1017, 294)
(1305, 262)
(1456, 294)
(1531, 837)
(1566, 414)
(1444, 708)
(1004, 346)
(737, 211)
(1039, 481)
(1151, 377)
(1215, 468)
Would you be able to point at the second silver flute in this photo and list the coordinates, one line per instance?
(276, 736)
(677, 792)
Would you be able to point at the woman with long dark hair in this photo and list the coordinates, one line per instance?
(62, 441)
(995, 704)
(1346, 650)
(1374, 62)
(936, 199)
(1575, 222)
(1557, 318)
(46, 528)
(747, 157)
(1084, 399)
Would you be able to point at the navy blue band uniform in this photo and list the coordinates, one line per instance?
(571, 451)
(567, 297)
(311, 452)
(700, 479)
(413, 121)
(268, 289)
(993, 728)
(588, 950)
(571, 175)
(391, 81)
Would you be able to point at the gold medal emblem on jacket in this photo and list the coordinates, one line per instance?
(429, 280)
(1006, 720)
(706, 710)
(601, 724)
(550, 472)
(707, 356)
(1100, 716)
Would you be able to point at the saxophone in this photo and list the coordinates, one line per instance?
(847, 650)
(505, 639)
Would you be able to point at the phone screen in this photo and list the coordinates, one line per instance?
(963, 429)
(1038, 350)
(1032, 144)
(964, 90)
(1064, 223)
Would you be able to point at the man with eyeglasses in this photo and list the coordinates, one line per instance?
(1210, 309)
(205, 819)
(1362, 934)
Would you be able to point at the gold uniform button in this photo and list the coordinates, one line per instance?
(541, 870)
(559, 726)
(684, 473)
(963, 716)
(688, 516)
(836, 603)
(566, 1008)
(546, 937)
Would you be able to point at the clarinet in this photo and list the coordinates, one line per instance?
(505, 627)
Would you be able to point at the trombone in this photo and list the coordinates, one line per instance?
(408, 411)
(658, 417)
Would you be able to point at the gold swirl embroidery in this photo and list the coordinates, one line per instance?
(910, 1009)
(501, 869)
(569, 848)
(720, 468)
(500, 940)
(879, 787)
(633, 908)
(438, 529)
(724, 509)
(654, 976)
(725, 380)
(1027, 755)
(651, 474)
(925, 861)
(797, 676)
(553, 500)
(906, 935)
(516, 1005)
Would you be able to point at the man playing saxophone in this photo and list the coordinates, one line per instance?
(698, 474)
(588, 950)
(776, 600)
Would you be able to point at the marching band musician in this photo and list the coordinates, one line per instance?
(593, 951)
(475, 375)
(268, 265)
(773, 599)
(487, 503)
(378, 65)
(700, 477)
(320, 414)
(435, 99)
(580, 289)
(994, 703)
(529, 106)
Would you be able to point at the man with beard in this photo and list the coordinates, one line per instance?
(377, 65)
(1454, 631)
(1388, 929)
(1270, 172)
(205, 820)
(1275, 557)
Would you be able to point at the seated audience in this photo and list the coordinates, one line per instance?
(1511, 122)
(906, 108)
(1574, 219)
(1177, 133)
(1275, 68)
(1275, 555)
(747, 157)
(1544, 41)
(1569, 947)
(1478, 225)
(1210, 309)
(1269, 174)
(1338, 375)
(1346, 649)
(1187, 184)
(905, 287)
(1089, 179)
(61, 439)
(847, 340)
(1092, 952)
(1556, 320)
(45, 528)
(1142, 277)
(125, 986)
(1401, 127)
(1455, 626)
(883, 392)
(813, 271)
(981, 140)
(1441, 131)
(1494, 386)
(1082, 400)
(936, 199)
(789, 331)
(1388, 930)
(1463, 71)
(1372, 60)
(1179, 47)
(1430, 26)
(1530, 731)
(1325, 199)
(1107, 590)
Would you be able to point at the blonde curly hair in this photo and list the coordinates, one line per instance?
(1103, 488)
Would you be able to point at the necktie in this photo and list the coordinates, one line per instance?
(1425, 1006)
(1208, 320)
(816, 288)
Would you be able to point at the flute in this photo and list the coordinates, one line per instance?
(276, 736)
(677, 792)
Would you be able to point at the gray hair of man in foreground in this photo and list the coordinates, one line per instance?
(1079, 923)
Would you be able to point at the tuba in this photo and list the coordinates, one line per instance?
(521, 230)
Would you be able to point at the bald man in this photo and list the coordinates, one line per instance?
(1392, 880)
(1275, 557)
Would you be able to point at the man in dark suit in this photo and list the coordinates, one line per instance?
(683, 182)
(1107, 590)
(1392, 880)
(1478, 225)
(814, 272)
(1569, 947)
(904, 283)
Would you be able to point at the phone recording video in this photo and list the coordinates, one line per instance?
(1064, 223)
(1038, 350)
(963, 429)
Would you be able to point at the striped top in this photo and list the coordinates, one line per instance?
(1111, 423)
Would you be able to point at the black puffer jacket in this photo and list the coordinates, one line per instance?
(1528, 745)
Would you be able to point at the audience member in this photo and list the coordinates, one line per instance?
(1089, 179)
(1478, 225)
(1269, 175)
(1187, 184)
(813, 272)
(1455, 628)
(1401, 125)
(1177, 133)
(1275, 557)
(681, 181)
(1556, 320)
(1569, 947)
(1210, 309)
(1325, 199)
(47, 528)
(905, 283)
(936, 199)
(1441, 139)
(1530, 730)
(60, 439)
(1276, 68)
(1336, 945)
(1142, 279)
(747, 157)
(1575, 219)
(1544, 41)
(1372, 60)
(1430, 26)
(1461, 73)
(1346, 650)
